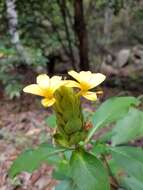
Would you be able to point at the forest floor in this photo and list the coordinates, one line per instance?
(22, 126)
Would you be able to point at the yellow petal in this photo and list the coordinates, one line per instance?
(43, 81)
(48, 102)
(34, 89)
(89, 95)
(71, 83)
(55, 83)
(96, 79)
(74, 74)
(85, 75)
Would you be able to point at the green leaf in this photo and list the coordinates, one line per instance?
(66, 185)
(32, 159)
(110, 111)
(87, 172)
(116, 170)
(113, 109)
(62, 170)
(51, 121)
(132, 183)
(99, 149)
(130, 159)
(128, 128)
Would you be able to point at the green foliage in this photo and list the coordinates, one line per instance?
(62, 171)
(131, 126)
(9, 63)
(51, 121)
(81, 169)
(33, 158)
(66, 185)
(84, 174)
(13, 89)
(130, 159)
(132, 183)
(69, 118)
(99, 149)
(36, 57)
(113, 109)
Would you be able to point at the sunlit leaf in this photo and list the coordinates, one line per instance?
(113, 109)
(128, 128)
(88, 172)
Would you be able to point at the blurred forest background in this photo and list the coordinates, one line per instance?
(54, 36)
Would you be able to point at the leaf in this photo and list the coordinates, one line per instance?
(87, 172)
(132, 183)
(66, 185)
(130, 159)
(113, 109)
(62, 170)
(110, 111)
(51, 121)
(128, 128)
(32, 159)
(98, 149)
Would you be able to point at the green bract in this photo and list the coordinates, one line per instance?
(70, 122)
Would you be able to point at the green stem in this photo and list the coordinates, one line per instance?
(59, 151)
(91, 133)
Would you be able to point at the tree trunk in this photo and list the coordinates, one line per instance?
(13, 25)
(81, 34)
(62, 5)
(108, 17)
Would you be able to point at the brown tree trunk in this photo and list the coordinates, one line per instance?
(62, 5)
(81, 34)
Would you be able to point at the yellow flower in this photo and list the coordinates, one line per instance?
(86, 81)
(45, 87)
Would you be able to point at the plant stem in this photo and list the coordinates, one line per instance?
(59, 151)
(91, 133)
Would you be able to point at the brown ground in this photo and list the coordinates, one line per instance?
(21, 126)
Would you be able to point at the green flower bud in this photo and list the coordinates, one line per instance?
(77, 137)
(61, 139)
(70, 122)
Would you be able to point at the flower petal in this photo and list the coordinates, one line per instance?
(74, 74)
(34, 89)
(48, 102)
(85, 75)
(43, 81)
(71, 83)
(96, 79)
(89, 95)
(55, 83)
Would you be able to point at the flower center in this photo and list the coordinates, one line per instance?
(85, 86)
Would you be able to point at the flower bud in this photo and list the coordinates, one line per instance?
(70, 123)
